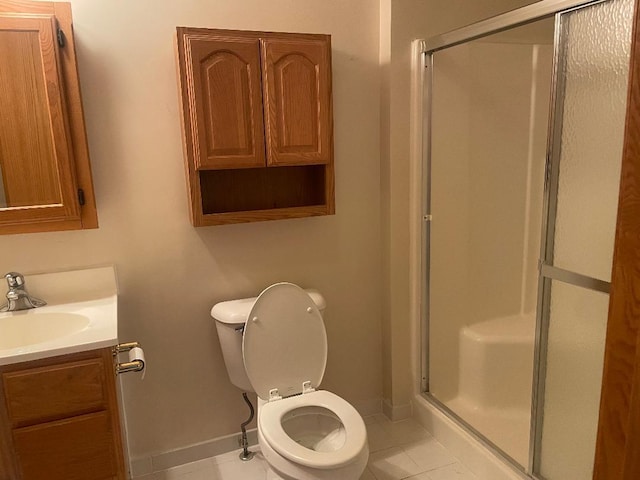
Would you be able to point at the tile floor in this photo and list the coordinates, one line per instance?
(398, 450)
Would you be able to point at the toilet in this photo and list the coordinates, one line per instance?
(276, 345)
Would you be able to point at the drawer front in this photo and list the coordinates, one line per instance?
(79, 448)
(54, 392)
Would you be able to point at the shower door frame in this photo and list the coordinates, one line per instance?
(547, 272)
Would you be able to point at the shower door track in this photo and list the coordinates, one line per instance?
(515, 18)
(426, 48)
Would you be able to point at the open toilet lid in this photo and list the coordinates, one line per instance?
(284, 342)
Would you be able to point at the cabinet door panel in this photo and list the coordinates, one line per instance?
(79, 448)
(36, 161)
(297, 82)
(225, 102)
(36, 395)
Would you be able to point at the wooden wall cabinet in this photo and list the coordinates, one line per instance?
(257, 124)
(59, 419)
(45, 174)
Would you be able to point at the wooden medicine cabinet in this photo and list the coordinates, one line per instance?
(257, 124)
(45, 175)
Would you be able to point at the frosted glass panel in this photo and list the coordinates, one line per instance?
(577, 329)
(596, 66)
(594, 69)
(489, 120)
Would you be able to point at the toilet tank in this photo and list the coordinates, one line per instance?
(230, 317)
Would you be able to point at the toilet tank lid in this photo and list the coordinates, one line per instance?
(235, 312)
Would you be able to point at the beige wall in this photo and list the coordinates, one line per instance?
(409, 20)
(170, 274)
(385, 178)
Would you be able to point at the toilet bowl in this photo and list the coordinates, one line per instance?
(276, 345)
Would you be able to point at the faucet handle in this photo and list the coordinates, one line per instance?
(14, 279)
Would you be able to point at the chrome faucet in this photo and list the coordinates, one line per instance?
(17, 297)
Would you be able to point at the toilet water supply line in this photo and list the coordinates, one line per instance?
(246, 455)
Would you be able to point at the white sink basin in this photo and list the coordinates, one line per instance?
(24, 330)
(82, 314)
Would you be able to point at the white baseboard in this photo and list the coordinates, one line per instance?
(211, 448)
(484, 463)
(396, 412)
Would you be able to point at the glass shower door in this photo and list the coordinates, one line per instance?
(489, 140)
(509, 309)
(590, 107)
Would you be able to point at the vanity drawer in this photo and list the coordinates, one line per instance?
(53, 392)
(79, 448)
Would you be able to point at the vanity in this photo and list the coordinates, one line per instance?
(59, 408)
(60, 418)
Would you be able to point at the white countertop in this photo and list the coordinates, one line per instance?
(91, 293)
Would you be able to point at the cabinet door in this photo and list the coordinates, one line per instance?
(34, 395)
(36, 164)
(222, 93)
(59, 419)
(297, 87)
(78, 448)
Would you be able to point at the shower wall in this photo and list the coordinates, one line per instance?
(490, 116)
(508, 135)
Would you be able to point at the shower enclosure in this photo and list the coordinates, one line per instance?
(523, 129)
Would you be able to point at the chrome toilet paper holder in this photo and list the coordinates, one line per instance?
(135, 365)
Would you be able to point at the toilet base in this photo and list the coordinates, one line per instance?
(283, 469)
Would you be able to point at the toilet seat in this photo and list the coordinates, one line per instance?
(284, 344)
(270, 424)
(284, 350)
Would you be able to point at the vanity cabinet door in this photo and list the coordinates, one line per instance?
(223, 96)
(78, 448)
(34, 395)
(296, 74)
